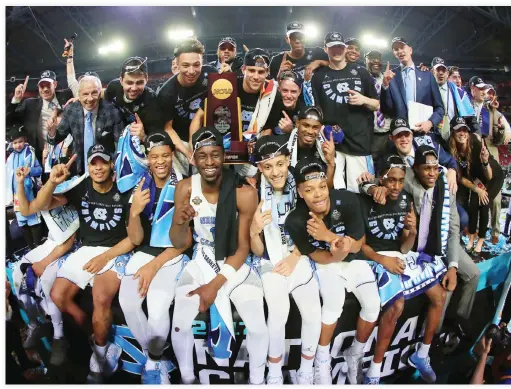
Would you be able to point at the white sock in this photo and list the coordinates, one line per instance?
(275, 368)
(306, 365)
(357, 347)
(423, 350)
(323, 354)
(374, 369)
(58, 330)
(100, 351)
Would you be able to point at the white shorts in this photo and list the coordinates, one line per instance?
(140, 259)
(352, 166)
(73, 271)
(302, 275)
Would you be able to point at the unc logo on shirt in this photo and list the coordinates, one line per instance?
(342, 87)
(354, 72)
(99, 213)
(117, 197)
(388, 224)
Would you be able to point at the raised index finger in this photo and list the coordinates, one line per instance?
(284, 58)
(71, 161)
(388, 66)
(285, 114)
(26, 82)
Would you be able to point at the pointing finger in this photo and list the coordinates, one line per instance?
(245, 48)
(140, 184)
(188, 195)
(137, 118)
(71, 161)
(284, 58)
(285, 114)
(388, 66)
(260, 205)
(26, 82)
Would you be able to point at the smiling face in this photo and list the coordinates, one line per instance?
(403, 53)
(403, 142)
(189, 67)
(478, 93)
(373, 64)
(133, 84)
(352, 53)
(209, 160)
(290, 93)
(461, 135)
(427, 173)
(47, 90)
(275, 171)
(316, 195)
(160, 162)
(89, 94)
(100, 170)
(253, 78)
(394, 181)
(308, 131)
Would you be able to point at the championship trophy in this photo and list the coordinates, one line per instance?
(223, 111)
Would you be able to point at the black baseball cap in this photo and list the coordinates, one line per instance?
(257, 57)
(228, 40)
(207, 136)
(47, 75)
(373, 52)
(399, 125)
(421, 154)
(270, 146)
(398, 39)
(158, 138)
(312, 112)
(478, 83)
(98, 150)
(134, 64)
(437, 62)
(334, 39)
(353, 41)
(292, 76)
(309, 169)
(458, 122)
(293, 27)
(392, 161)
(16, 131)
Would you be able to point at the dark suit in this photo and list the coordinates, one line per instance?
(393, 99)
(28, 113)
(108, 129)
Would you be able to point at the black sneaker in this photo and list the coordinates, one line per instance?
(58, 351)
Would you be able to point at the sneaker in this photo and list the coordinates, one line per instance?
(371, 380)
(158, 376)
(34, 335)
(112, 359)
(424, 367)
(354, 362)
(322, 373)
(276, 380)
(58, 351)
(95, 376)
(104, 367)
(305, 378)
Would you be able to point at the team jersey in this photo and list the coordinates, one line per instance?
(204, 222)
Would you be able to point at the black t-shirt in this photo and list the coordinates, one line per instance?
(276, 114)
(145, 246)
(311, 54)
(102, 215)
(180, 104)
(343, 219)
(146, 106)
(384, 224)
(330, 89)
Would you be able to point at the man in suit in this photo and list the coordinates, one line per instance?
(34, 112)
(408, 83)
(90, 120)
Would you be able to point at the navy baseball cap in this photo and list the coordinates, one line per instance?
(353, 41)
(98, 150)
(334, 39)
(270, 146)
(399, 125)
(207, 136)
(421, 154)
(48, 76)
(257, 57)
(309, 169)
(438, 62)
(398, 39)
(228, 40)
(293, 27)
(373, 52)
(159, 138)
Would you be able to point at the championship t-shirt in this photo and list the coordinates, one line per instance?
(146, 223)
(180, 104)
(384, 224)
(145, 106)
(102, 215)
(343, 219)
(311, 54)
(330, 89)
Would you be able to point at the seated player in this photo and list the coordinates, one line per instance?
(221, 214)
(327, 227)
(391, 233)
(282, 269)
(101, 259)
(153, 269)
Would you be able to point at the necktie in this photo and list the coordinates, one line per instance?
(425, 218)
(88, 137)
(410, 160)
(380, 119)
(410, 95)
(51, 106)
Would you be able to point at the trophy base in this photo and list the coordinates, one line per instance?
(238, 153)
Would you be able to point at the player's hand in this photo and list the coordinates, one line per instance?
(494, 103)
(340, 248)
(260, 220)
(380, 195)
(70, 47)
(252, 181)
(184, 211)
(137, 128)
(287, 266)
(310, 68)
(96, 264)
(485, 154)
(140, 199)
(450, 280)
(38, 268)
(285, 123)
(483, 347)
(145, 275)
(356, 98)
(411, 220)
(19, 92)
(328, 148)
(207, 294)
(22, 173)
(285, 65)
(60, 172)
(317, 229)
(423, 126)
(70, 101)
(225, 68)
(365, 177)
(388, 75)
(452, 181)
(394, 265)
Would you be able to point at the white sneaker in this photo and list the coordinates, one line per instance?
(355, 374)
(96, 365)
(113, 354)
(305, 378)
(322, 373)
(158, 376)
(276, 380)
(103, 367)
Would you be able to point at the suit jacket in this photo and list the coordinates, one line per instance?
(393, 99)
(109, 126)
(28, 113)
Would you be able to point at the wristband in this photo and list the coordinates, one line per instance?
(228, 272)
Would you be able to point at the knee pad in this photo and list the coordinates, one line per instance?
(332, 308)
(370, 304)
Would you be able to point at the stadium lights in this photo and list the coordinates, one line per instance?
(311, 31)
(116, 46)
(180, 34)
(370, 41)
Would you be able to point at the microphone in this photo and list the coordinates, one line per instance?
(66, 49)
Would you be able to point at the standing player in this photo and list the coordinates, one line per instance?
(282, 269)
(221, 214)
(327, 227)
